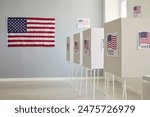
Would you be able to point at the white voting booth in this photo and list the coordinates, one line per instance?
(69, 46)
(124, 9)
(127, 48)
(93, 55)
(78, 56)
(69, 55)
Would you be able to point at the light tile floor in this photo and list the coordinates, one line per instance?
(56, 90)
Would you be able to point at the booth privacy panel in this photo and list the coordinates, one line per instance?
(78, 48)
(112, 63)
(135, 60)
(93, 48)
(69, 48)
(132, 61)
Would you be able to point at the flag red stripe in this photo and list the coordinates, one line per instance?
(36, 27)
(31, 40)
(31, 18)
(113, 43)
(42, 23)
(48, 32)
(28, 36)
(30, 45)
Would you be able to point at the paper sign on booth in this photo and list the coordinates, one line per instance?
(137, 11)
(83, 23)
(112, 44)
(86, 47)
(76, 46)
(144, 40)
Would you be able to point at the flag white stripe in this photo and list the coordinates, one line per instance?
(24, 38)
(41, 25)
(42, 21)
(17, 43)
(31, 34)
(40, 29)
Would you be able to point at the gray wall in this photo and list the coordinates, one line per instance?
(43, 61)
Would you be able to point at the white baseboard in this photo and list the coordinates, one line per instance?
(129, 88)
(138, 92)
(39, 79)
(33, 79)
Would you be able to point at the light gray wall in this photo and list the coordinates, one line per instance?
(42, 61)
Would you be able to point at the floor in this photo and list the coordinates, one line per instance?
(56, 90)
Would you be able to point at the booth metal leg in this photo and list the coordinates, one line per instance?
(94, 84)
(86, 81)
(105, 83)
(97, 83)
(113, 83)
(72, 74)
(76, 75)
(91, 79)
(69, 71)
(81, 78)
(124, 96)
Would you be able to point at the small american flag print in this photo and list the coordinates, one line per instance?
(137, 9)
(76, 46)
(144, 38)
(87, 47)
(83, 23)
(30, 32)
(112, 42)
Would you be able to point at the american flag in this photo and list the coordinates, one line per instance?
(144, 38)
(68, 47)
(84, 21)
(30, 31)
(86, 47)
(137, 9)
(112, 42)
(76, 46)
(86, 44)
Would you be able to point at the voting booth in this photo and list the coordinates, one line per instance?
(93, 54)
(127, 45)
(69, 46)
(78, 51)
(70, 56)
(78, 58)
